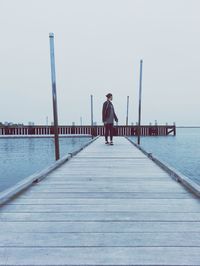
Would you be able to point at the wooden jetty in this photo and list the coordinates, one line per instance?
(108, 205)
(145, 130)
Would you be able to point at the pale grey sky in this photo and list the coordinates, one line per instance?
(98, 46)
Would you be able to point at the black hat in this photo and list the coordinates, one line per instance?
(109, 95)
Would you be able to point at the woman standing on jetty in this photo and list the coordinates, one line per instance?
(108, 117)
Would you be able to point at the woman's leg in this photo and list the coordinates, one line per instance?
(106, 132)
(111, 129)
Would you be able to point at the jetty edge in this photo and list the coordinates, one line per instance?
(11, 192)
(188, 183)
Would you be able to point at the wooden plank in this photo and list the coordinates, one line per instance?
(148, 239)
(98, 227)
(101, 256)
(124, 180)
(93, 176)
(102, 216)
(137, 188)
(105, 181)
(104, 201)
(92, 187)
(101, 208)
(107, 195)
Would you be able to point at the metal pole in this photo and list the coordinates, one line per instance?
(91, 110)
(47, 120)
(140, 99)
(91, 115)
(127, 110)
(53, 79)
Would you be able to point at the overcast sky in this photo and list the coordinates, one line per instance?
(98, 47)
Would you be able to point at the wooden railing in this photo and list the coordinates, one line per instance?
(156, 130)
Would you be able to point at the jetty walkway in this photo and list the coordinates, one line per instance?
(108, 205)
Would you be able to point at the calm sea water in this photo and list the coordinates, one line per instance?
(21, 157)
(181, 152)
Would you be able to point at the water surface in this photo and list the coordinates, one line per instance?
(181, 151)
(21, 157)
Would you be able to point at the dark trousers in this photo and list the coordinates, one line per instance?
(109, 130)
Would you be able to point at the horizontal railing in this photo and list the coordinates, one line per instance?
(146, 130)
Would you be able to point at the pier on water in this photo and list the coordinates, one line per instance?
(107, 205)
(145, 130)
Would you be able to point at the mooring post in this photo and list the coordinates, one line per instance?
(140, 100)
(92, 122)
(174, 124)
(53, 79)
(127, 110)
(91, 96)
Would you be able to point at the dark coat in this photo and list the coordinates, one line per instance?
(106, 111)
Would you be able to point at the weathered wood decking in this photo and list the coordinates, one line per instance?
(109, 205)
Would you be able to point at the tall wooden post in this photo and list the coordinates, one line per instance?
(140, 100)
(53, 79)
(127, 110)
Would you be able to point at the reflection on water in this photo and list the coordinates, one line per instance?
(21, 157)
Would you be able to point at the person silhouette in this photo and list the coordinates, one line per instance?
(108, 117)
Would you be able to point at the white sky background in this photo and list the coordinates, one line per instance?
(98, 46)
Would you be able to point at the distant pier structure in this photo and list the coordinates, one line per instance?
(94, 130)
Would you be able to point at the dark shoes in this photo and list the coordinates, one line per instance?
(111, 143)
